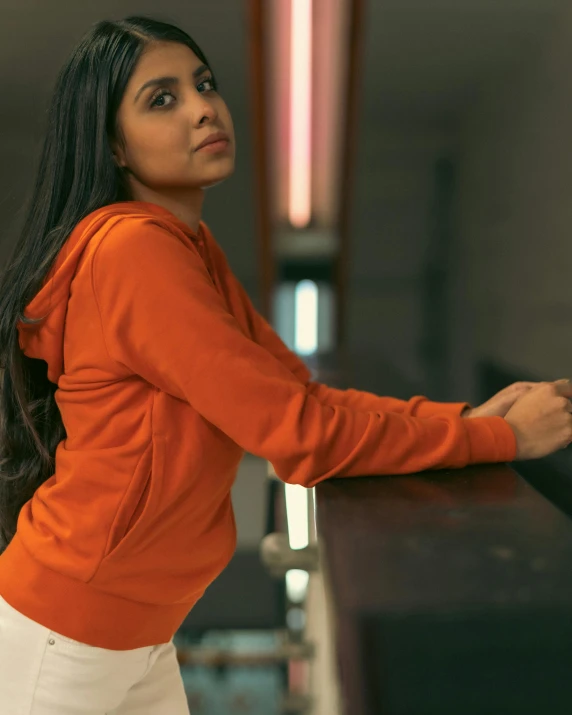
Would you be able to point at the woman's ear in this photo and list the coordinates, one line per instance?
(119, 159)
(118, 153)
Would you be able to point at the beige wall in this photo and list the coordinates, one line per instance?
(17, 156)
(513, 296)
(390, 233)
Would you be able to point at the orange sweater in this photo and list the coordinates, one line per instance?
(166, 374)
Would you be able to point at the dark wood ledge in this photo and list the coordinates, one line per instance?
(452, 593)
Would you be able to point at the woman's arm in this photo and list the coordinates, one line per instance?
(163, 319)
(267, 338)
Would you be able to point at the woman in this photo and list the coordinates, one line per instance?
(136, 372)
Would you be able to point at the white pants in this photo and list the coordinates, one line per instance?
(44, 673)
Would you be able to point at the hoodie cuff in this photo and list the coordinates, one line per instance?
(491, 439)
(426, 408)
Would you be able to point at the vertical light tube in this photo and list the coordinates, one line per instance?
(297, 516)
(306, 318)
(299, 208)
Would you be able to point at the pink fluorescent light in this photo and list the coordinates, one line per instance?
(299, 205)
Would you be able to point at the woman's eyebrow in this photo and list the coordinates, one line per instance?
(155, 82)
(168, 80)
(200, 70)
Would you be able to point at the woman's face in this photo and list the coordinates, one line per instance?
(169, 109)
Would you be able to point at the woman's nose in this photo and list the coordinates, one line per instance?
(204, 112)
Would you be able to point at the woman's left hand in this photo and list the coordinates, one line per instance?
(500, 403)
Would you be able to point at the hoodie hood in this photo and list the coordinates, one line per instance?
(45, 340)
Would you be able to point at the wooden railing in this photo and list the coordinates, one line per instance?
(442, 593)
(452, 593)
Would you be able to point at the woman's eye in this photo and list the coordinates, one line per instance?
(207, 85)
(160, 99)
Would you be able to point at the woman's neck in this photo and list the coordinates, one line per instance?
(186, 204)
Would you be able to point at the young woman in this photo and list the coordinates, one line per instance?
(135, 374)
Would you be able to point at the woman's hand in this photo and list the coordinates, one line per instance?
(501, 403)
(541, 419)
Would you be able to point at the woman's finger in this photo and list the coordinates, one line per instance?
(519, 387)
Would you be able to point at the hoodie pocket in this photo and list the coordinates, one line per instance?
(140, 498)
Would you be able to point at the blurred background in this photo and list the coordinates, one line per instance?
(400, 212)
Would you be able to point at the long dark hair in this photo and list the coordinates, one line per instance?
(76, 175)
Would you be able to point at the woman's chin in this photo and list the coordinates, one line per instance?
(216, 178)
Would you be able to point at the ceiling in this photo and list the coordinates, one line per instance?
(425, 58)
(422, 57)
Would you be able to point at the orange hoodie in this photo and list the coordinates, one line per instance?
(166, 374)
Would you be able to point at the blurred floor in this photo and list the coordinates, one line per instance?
(246, 690)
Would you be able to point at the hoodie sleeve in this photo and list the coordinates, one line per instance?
(163, 319)
(263, 333)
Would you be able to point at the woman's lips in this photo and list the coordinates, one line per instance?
(215, 147)
(215, 142)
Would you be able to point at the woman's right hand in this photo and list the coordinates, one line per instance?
(541, 419)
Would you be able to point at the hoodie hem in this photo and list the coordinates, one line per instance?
(81, 612)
